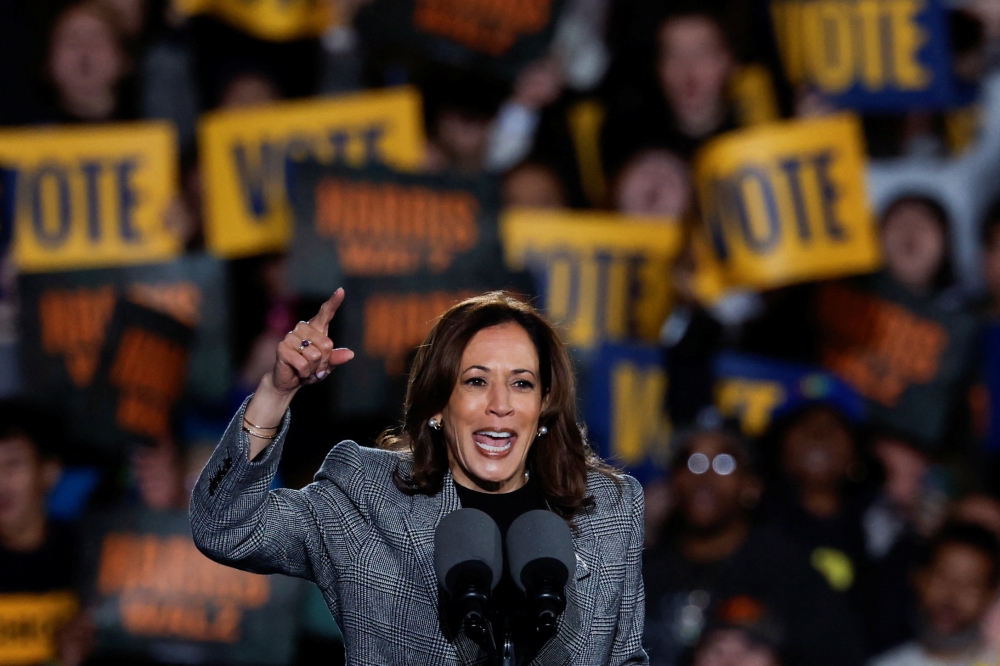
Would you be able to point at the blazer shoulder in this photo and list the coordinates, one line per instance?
(616, 494)
(350, 459)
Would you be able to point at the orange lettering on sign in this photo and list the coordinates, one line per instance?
(149, 371)
(167, 588)
(73, 323)
(180, 300)
(878, 347)
(487, 26)
(388, 229)
(396, 323)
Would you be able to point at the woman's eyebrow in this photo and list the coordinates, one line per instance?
(522, 371)
(476, 367)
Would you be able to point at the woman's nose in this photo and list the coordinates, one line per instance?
(499, 404)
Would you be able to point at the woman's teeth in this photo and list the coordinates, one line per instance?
(494, 442)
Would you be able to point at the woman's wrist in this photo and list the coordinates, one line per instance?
(264, 414)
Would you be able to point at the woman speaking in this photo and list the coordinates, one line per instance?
(489, 423)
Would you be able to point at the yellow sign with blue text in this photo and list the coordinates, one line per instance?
(88, 197)
(602, 276)
(28, 625)
(870, 54)
(786, 202)
(274, 20)
(244, 154)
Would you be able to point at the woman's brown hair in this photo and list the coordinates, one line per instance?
(559, 460)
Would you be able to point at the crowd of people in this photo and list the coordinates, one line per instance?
(829, 537)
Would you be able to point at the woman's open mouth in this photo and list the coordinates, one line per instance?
(494, 443)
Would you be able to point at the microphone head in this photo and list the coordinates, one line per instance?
(467, 535)
(539, 535)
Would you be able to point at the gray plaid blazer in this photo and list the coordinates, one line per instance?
(370, 549)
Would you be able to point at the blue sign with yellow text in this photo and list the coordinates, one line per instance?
(873, 55)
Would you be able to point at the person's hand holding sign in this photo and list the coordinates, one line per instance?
(305, 356)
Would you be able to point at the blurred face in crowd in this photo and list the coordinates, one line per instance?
(86, 62)
(732, 647)
(711, 492)
(491, 418)
(24, 481)
(955, 589)
(991, 263)
(980, 510)
(130, 15)
(249, 89)
(654, 182)
(905, 469)
(462, 138)
(533, 186)
(913, 244)
(159, 476)
(817, 450)
(694, 67)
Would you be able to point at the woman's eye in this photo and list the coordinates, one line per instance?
(524, 384)
(476, 381)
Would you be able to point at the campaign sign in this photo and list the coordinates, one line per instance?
(786, 202)
(244, 153)
(871, 55)
(601, 276)
(90, 196)
(905, 356)
(384, 320)
(379, 223)
(65, 318)
(755, 390)
(28, 625)
(624, 392)
(274, 20)
(140, 378)
(155, 596)
(485, 35)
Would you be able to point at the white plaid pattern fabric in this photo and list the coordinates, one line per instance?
(370, 549)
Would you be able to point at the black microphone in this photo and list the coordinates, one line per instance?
(468, 560)
(541, 558)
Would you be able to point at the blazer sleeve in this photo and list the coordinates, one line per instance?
(236, 520)
(627, 646)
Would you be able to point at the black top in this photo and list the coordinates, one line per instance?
(51, 567)
(817, 627)
(504, 508)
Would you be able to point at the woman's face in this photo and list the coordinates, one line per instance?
(491, 419)
(913, 244)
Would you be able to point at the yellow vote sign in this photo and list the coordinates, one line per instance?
(786, 203)
(274, 20)
(244, 155)
(28, 623)
(90, 197)
(603, 277)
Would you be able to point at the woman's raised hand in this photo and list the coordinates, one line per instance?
(307, 354)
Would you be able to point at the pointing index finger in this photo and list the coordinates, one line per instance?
(321, 321)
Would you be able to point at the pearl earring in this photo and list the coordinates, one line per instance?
(434, 424)
(542, 431)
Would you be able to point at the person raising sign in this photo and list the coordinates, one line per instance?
(490, 423)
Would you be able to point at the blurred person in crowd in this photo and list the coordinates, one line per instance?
(982, 510)
(712, 550)
(36, 554)
(686, 103)
(916, 245)
(955, 589)
(654, 182)
(990, 242)
(87, 65)
(741, 633)
(533, 184)
(158, 472)
(243, 84)
(459, 108)
(812, 498)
